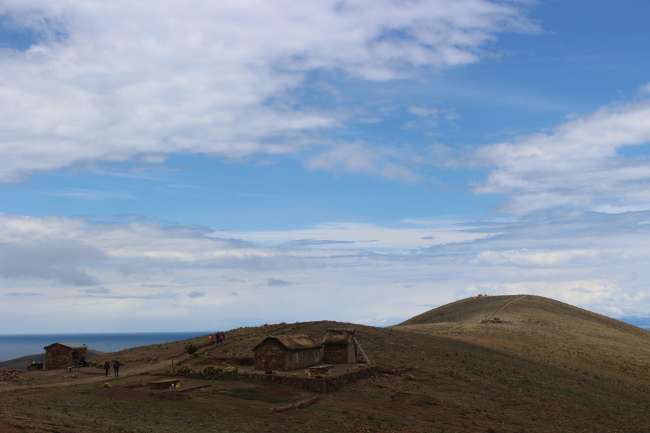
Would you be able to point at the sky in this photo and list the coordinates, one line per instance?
(206, 165)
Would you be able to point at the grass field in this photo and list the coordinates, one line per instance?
(546, 367)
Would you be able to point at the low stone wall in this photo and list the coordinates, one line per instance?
(322, 384)
(225, 360)
(314, 384)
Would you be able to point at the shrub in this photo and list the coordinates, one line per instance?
(212, 373)
(191, 349)
(215, 372)
(184, 371)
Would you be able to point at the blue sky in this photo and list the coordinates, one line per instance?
(244, 159)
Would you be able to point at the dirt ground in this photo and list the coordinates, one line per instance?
(427, 383)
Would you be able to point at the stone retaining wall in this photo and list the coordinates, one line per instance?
(314, 384)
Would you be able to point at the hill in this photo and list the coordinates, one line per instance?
(22, 362)
(426, 383)
(543, 330)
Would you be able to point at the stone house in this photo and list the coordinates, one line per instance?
(340, 347)
(287, 352)
(64, 355)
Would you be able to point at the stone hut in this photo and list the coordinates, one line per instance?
(64, 355)
(340, 347)
(287, 352)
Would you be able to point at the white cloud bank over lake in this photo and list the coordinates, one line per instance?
(122, 276)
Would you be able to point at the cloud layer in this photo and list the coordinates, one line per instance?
(130, 276)
(110, 81)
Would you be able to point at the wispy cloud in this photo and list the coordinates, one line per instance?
(22, 294)
(86, 194)
(136, 81)
(583, 163)
(646, 89)
(96, 291)
(277, 282)
(593, 259)
(360, 158)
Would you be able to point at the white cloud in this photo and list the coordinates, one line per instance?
(600, 294)
(188, 276)
(87, 194)
(389, 163)
(524, 257)
(646, 89)
(49, 259)
(421, 111)
(579, 164)
(356, 236)
(110, 81)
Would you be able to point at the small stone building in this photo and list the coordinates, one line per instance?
(64, 355)
(287, 352)
(340, 347)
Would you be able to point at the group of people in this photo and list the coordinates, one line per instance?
(115, 364)
(217, 338)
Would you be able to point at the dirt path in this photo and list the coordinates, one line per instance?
(136, 371)
(507, 304)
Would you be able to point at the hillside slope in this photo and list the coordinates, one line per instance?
(427, 384)
(543, 330)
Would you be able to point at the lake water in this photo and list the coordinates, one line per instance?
(14, 346)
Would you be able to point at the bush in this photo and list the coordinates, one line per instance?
(191, 349)
(185, 371)
(215, 372)
(212, 373)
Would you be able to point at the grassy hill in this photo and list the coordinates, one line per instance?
(543, 330)
(443, 371)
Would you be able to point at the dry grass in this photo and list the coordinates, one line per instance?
(505, 378)
(543, 330)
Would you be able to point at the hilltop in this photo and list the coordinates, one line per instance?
(543, 330)
(434, 376)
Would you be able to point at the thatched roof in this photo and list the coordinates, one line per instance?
(69, 345)
(338, 336)
(292, 341)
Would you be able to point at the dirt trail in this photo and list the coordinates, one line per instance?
(136, 371)
(507, 304)
(124, 372)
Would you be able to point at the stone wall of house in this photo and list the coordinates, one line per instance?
(59, 356)
(270, 356)
(298, 359)
(320, 385)
(340, 353)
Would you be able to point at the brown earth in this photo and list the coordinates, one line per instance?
(444, 371)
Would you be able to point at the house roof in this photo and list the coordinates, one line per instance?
(68, 344)
(338, 336)
(292, 341)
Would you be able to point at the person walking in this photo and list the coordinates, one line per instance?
(116, 368)
(107, 367)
